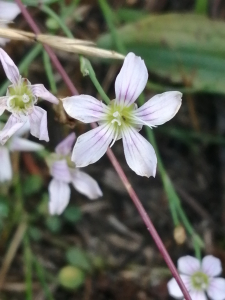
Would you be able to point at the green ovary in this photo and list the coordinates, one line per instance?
(21, 96)
(120, 116)
(200, 281)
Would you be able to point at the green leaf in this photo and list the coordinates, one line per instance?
(32, 184)
(182, 49)
(78, 258)
(72, 214)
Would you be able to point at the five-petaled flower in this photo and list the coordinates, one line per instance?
(15, 143)
(20, 100)
(122, 119)
(8, 12)
(64, 172)
(199, 278)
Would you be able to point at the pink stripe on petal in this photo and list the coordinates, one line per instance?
(6, 168)
(3, 104)
(65, 146)
(12, 125)
(92, 145)
(139, 153)
(211, 265)
(85, 184)
(131, 80)
(40, 91)
(59, 194)
(159, 109)
(216, 290)
(59, 170)
(38, 123)
(11, 70)
(188, 265)
(84, 108)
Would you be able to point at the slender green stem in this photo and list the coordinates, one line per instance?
(28, 267)
(61, 23)
(49, 72)
(36, 50)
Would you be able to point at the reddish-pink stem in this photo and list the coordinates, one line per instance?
(114, 162)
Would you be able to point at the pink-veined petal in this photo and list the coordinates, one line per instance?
(60, 171)
(84, 108)
(85, 184)
(198, 295)
(3, 104)
(59, 194)
(11, 70)
(6, 168)
(92, 145)
(211, 265)
(188, 265)
(65, 147)
(24, 129)
(139, 153)
(40, 91)
(38, 123)
(131, 79)
(12, 125)
(8, 11)
(174, 289)
(159, 109)
(216, 290)
(20, 144)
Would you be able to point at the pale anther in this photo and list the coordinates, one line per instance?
(25, 98)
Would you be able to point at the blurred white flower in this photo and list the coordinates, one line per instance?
(122, 119)
(15, 143)
(20, 100)
(199, 278)
(8, 12)
(64, 172)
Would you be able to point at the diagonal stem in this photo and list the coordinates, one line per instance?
(115, 163)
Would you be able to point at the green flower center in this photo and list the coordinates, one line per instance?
(200, 281)
(119, 115)
(20, 96)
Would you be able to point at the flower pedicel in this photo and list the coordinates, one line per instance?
(20, 100)
(122, 119)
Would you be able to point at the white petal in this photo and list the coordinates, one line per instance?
(188, 265)
(40, 91)
(59, 170)
(65, 147)
(131, 80)
(216, 290)
(159, 109)
(38, 123)
(12, 125)
(20, 144)
(84, 108)
(173, 287)
(211, 266)
(6, 168)
(9, 67)
(59, 194)
(198, 295)
(8, 10)
(24, 129)
(139, 153)
(92, 145)
(3, 104)
(85, 184)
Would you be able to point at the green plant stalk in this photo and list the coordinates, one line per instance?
(70, 8)
(36, 50)
(61, 23)
(41, 275)
(27, 254)
(49, 72)
(201, 6)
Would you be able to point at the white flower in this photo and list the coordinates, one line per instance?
(8, 12)
(16, 143)
(199, 278)
(122, 119)
(65, 172)
(20, 100)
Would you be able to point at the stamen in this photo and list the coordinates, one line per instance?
(115, 120)
(25, 98)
